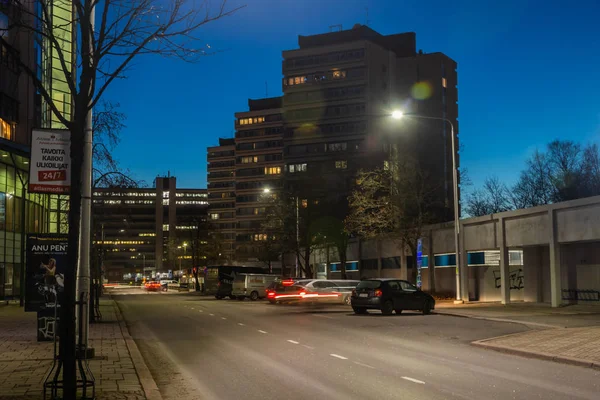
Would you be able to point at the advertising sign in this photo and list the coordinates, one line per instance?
(50, 166)
(45, 269)
(419, 262)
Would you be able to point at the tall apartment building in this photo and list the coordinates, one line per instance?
(339, 91)
(239, 172)
(258, 168)
(142, 231)
(221, 194)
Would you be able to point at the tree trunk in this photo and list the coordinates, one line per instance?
(342, 254)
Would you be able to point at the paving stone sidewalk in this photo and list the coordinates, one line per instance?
(578, 346)
(24, 362)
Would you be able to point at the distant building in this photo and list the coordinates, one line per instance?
(141, 231)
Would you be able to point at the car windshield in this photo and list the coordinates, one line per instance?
(368, 285)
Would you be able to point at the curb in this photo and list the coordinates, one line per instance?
(514, 321)
(146, 380)
(580, 362)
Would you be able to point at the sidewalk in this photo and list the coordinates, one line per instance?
(118, 367)
(535, 315)
(569, 334)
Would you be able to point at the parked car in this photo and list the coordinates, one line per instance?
(389, 295)
(253, 286)
(329, 291)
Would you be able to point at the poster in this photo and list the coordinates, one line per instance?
(419, 262)
(50, 165)
(45, 269)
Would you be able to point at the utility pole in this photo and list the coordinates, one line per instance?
(83, 267)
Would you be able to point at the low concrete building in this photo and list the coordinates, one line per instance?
(548, 254)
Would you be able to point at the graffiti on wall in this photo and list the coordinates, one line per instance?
(515, 279)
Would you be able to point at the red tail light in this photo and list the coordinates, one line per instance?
(302, 294)
(378, 293)
(287, 283)
(271, 294)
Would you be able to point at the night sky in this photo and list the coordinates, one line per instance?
(528, 73)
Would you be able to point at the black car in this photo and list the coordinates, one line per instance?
(389, 295)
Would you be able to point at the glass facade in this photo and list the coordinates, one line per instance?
(20, 213)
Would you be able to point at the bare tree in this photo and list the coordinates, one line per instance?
(477, 204)
(534, 187)
(105, 51)
(335, 234)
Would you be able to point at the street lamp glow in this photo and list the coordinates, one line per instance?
(266, 190)
(397, 114)
(184, 244)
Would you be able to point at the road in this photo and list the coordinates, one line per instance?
(202, 348)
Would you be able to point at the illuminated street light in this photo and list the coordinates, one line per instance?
(397, 114)
(266, 190)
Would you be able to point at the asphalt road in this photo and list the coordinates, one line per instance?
(201, 348)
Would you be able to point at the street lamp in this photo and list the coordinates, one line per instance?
(399, 115)
(143, 263)
(184, 246)
(266, 191)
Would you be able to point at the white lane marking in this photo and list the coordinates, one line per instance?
(223, 318)
(200, 310)
(240, 324)
(212, 315)
(308, 347)
(413, 380)
(338, 356)
(192, 308)
(262, 331)
(293, 341)
(363, 365)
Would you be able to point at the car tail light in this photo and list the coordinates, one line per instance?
(302, 294)
(378, 293)
(271, 294)
(287, 283)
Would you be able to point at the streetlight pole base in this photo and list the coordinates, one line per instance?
(459, 302)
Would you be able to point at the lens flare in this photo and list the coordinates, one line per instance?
(421, 90)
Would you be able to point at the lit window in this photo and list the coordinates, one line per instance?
(304, 203)
(297, 80)
(214, 216)
(165, 202)
(339, 74)
(165, 227)
(7, 130)
(443, 82)
(272, 170)
(248, 160)
(291, 81)
(297, 168)
(341, 164)
(337, 146)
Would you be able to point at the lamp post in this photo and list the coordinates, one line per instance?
(143, 263)
(400, 115)
(267, 190)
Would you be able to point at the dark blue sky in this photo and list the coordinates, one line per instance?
(528, 72)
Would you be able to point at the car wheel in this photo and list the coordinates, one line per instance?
(359, 310)
(427, 308)
(398, 311)
(387, 308)
(254, 296)
(348, 300)
(218, 297)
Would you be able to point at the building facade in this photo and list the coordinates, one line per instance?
(334, 118)
(144, 231)
(340, 89)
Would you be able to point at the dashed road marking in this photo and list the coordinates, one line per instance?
(308, 347)
(262, 331)
(240, 324)
(293, 341)
(200, 311)
(338, 356)
(413, 380)
(363, 365)
(223, 318)
(212, 315)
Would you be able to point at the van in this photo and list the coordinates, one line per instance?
(253, 286)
